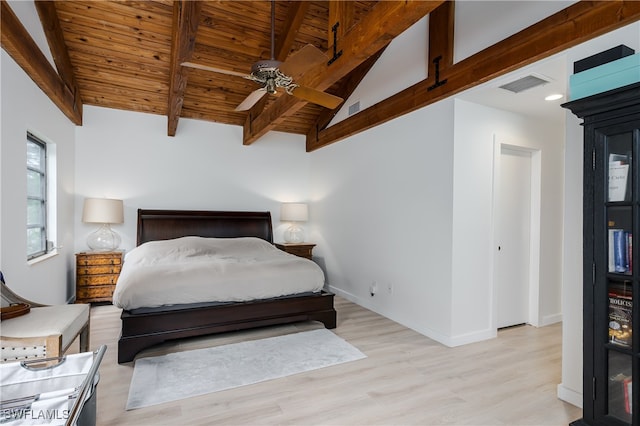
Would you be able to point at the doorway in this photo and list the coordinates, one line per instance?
(516, 235)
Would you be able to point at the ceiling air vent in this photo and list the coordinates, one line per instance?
(524, 83)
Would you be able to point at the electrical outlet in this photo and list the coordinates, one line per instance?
(373, 288)
(389, 288)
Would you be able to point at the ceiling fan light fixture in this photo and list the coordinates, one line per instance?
(270, 86)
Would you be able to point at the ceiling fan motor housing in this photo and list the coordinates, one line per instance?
(266, 73)
(265, 65)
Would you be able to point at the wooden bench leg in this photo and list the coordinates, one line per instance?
(84, 339)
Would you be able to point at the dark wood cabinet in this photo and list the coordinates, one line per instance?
(611, 265)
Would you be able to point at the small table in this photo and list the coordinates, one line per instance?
(299, 249)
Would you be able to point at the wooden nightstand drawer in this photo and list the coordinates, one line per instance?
(85, 280)
(99, 269)
(99, 259)
(96, 294)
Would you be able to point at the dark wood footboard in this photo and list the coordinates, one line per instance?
(142, 330)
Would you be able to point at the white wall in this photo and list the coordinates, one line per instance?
(476, 129)
(128, 155)
(476, 27)
(382, 213)
(26, 108)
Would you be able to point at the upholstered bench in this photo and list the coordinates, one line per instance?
(45, 331)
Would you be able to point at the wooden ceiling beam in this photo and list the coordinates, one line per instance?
(341, 14)
(571, 26)
(17, 42)
(186, 17)
(58, 47)
(346, 89)
(386, 20)
(441, 34)
(295, 16)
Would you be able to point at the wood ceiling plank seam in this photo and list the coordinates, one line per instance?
(107, 23)
(385, 21)
(82, 25)
(128, 92)
(132, 51)
(251, 44)
(107, 79)
(207, 55)
(158, 99)
(130, 70)
(99, 52)
(119, 11)
(91, 37)
(140, 106)
(573, 25)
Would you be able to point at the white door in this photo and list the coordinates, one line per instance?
(513, 234)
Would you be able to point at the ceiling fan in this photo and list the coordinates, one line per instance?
(271, 74)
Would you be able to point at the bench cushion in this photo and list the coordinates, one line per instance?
(65, 320)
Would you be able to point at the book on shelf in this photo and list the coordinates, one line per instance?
(618, 173)
(628, 395)
(620, 314)
(620, 258)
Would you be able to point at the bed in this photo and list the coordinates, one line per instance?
(143, 327)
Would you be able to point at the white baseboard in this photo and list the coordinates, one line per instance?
(569, 395)
(551, 319)
(450, 341)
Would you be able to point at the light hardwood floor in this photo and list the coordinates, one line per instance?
(406, 379)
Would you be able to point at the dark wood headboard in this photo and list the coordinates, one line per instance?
(167, 224)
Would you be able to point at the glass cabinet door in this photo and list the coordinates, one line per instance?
(615, 300)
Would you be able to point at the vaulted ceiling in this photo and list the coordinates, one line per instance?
(131, 55)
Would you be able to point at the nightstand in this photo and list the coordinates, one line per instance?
(299, 249)
(96, 275)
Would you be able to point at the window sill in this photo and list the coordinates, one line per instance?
(42, 258)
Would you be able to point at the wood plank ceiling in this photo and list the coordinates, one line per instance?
(128, 55)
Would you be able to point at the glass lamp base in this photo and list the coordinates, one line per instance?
(294, 234)
(104, 239)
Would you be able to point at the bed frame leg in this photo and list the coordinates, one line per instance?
(328, 318)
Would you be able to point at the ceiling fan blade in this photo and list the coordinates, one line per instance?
(214, 69)
(317, 97)
(302, 60)
(251, 100)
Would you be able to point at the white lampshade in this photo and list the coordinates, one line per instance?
(104, 211)
(294, 212)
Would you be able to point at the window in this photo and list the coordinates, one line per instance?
(36, 197)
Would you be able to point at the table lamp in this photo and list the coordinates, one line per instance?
(104, 211)
(294, 212)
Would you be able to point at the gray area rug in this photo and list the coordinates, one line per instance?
(197, 372)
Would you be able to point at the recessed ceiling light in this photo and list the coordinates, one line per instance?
(554, 97)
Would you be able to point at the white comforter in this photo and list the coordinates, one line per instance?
(195, 269)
